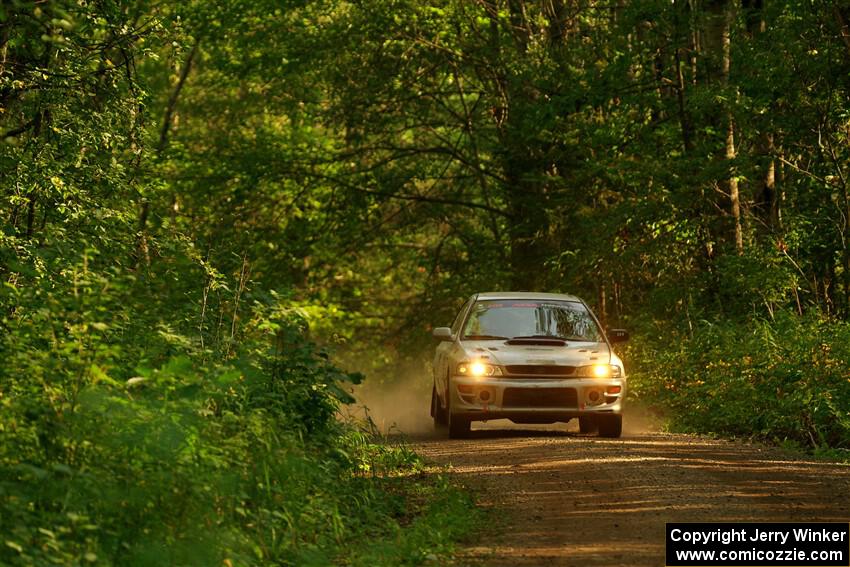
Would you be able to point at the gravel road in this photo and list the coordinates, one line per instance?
(561, 498)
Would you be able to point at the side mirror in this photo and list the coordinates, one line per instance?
(442, 333)
(618, 335)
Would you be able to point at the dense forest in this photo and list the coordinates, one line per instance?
(212, 213)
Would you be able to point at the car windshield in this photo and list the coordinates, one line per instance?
(500, 319)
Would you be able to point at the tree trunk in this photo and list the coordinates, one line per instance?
(843, 27)
(719, 37)
(732, 183)
(767, 204)
(31, 214)
(556, 15)
(602, 308)
(528, 223)
(32, 196)
(142, 251)
(528, 227)
(684, 120)
(519, 23)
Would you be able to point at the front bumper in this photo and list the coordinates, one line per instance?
(528, 400)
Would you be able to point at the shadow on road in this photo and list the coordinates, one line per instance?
(506, 429)
(495, 429)
(562, 498)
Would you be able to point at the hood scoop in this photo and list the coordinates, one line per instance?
(537, 341)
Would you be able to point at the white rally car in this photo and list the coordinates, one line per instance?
(530, 358)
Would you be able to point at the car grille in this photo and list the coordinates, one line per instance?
(540, 370)
(539, 398)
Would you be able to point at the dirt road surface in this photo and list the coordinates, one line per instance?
(560, 498)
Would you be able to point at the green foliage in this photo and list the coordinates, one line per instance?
(160, 400)
(192, 461)
(198, 194)
(437, 515)
(784, 380)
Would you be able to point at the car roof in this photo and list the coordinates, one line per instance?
(527, 295)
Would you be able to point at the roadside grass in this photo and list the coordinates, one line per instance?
(667, 424)
(234, 464)
(437, 515)
(370, 503)
(423, 514)
(834, 455)
(784, 382)
(780, 381)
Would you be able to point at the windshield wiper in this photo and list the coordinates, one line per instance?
(484, 338)
(552, 337)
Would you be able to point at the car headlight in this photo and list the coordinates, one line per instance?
(477, 368)
(599, 371)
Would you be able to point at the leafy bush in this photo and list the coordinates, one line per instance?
(126, 440)
(783, 380)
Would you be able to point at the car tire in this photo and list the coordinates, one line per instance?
(438, 412)
(610, 426)
(587, 425)
(459, 427)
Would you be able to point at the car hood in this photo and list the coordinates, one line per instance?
(572, 354)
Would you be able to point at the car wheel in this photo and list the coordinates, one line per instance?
(587, 425)
(437, 410)
(459, 426)
(610, 425)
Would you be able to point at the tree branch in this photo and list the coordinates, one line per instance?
(172, 100)
(20, 130)
(418, 198)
